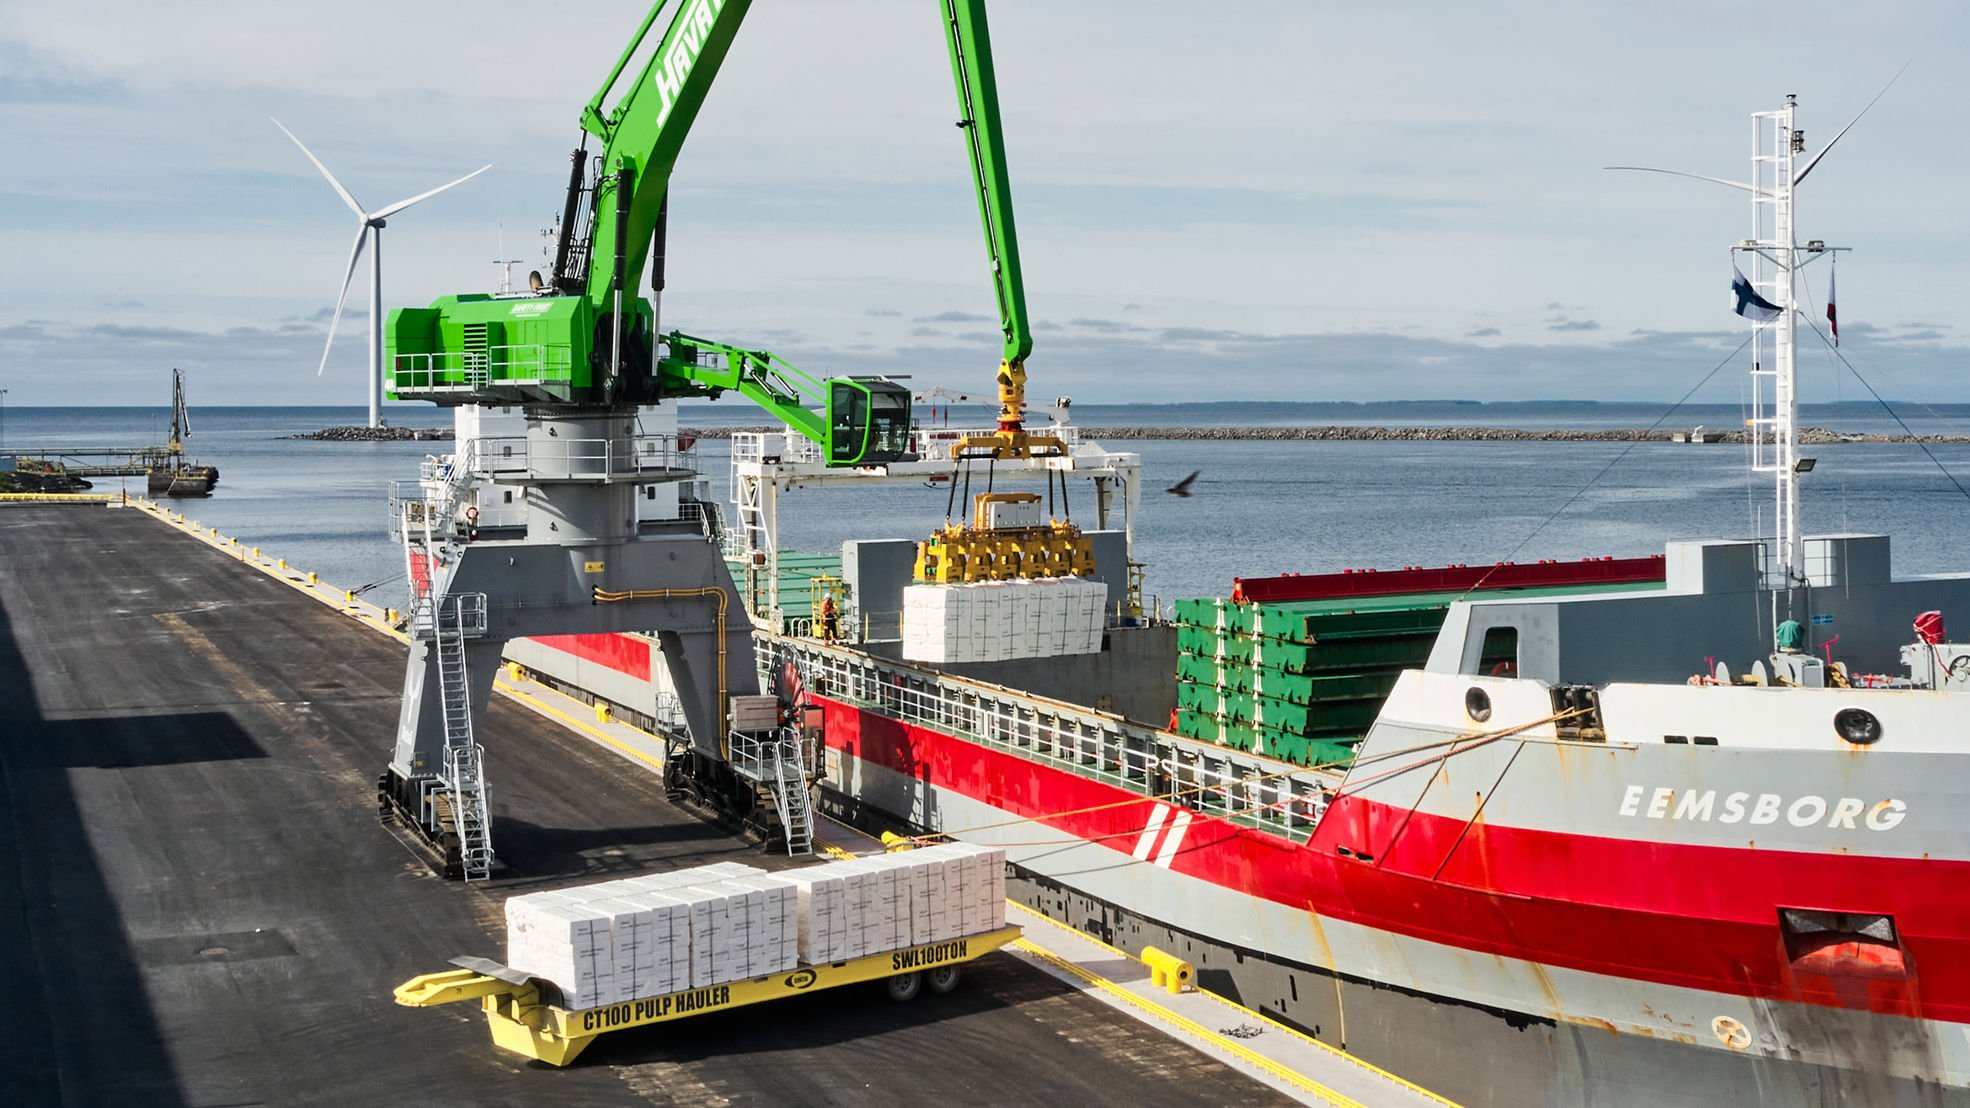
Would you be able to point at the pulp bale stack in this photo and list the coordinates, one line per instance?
(646, 936)
(1300, 681)
(994, 621)
(639, 937)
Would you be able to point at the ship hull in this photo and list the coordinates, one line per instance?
(1477, 1022)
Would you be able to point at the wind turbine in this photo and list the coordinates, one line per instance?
(370, 226)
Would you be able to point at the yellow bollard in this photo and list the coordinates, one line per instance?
(349, 595)
(602, 713)
(892, 842)
(1167, 970)
(256, 552)
(282, 563)
(515, 671)
(313, 579)
(390, 616)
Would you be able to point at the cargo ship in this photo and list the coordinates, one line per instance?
(1676, 828)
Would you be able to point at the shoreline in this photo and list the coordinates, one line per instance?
(1808, 436)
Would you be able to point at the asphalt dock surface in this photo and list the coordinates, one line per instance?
(198, 905)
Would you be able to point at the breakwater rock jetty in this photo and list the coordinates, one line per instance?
(377, 434)
(1808, 436)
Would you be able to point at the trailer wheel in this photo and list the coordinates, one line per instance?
(904, 987)
(942, 979)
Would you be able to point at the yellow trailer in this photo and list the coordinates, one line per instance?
(524, 1022)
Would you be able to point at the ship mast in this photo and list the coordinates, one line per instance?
(1774, 366)
(1773, 256)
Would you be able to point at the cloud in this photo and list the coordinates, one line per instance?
(954, 317)
(1572, 325)
(1105, 326)
(882, 312)
(1483, 333)
(1200, 334)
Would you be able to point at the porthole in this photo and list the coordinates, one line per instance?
(1858, 726)
(1477, 705)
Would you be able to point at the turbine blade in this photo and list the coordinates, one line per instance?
(1691, 176)
(1801, 175)
(337, 185)
(355, 256)
(385, 213)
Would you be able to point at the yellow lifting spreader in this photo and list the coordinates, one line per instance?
(524, 1022)
(983, 551)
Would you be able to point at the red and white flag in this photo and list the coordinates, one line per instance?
(1832, 320)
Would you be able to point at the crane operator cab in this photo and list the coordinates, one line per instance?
(868, 421)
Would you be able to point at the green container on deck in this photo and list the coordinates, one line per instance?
(1205, 642)
(1318, 622)
(1302, 688)
(1228, 674)
(1214, 612)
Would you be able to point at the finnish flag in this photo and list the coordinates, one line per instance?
(1749, 304)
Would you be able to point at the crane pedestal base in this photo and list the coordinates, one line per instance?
(421, 806)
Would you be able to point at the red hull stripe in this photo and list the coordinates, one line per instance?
(1694, 917)
(622, 653)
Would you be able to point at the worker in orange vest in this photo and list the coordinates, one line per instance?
(830, 623)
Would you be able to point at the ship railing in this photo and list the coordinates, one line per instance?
(513, 458)
(1228, 784)
(457, 371)
(936, 442)
(774, 447)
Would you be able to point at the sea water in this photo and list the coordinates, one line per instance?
(1259, 507)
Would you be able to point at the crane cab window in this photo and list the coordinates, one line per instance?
(868, 422)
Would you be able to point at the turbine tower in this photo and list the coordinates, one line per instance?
(370, 226)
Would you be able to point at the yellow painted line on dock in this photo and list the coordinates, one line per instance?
(505, 684)
(833, 851)
(1271, 1024)
(55, 498)
(1190, 1027)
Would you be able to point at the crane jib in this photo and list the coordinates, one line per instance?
(680, 52)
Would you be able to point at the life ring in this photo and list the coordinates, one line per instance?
(472, 514)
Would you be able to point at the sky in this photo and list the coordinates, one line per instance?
(1247, 201)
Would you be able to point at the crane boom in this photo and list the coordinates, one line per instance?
(642, 135)
(978, 98)
(970, 42)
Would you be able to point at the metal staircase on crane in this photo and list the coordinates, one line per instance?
(774, 762)
(457, 617)
(789, 787)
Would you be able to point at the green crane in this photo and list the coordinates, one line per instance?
(587, 338)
